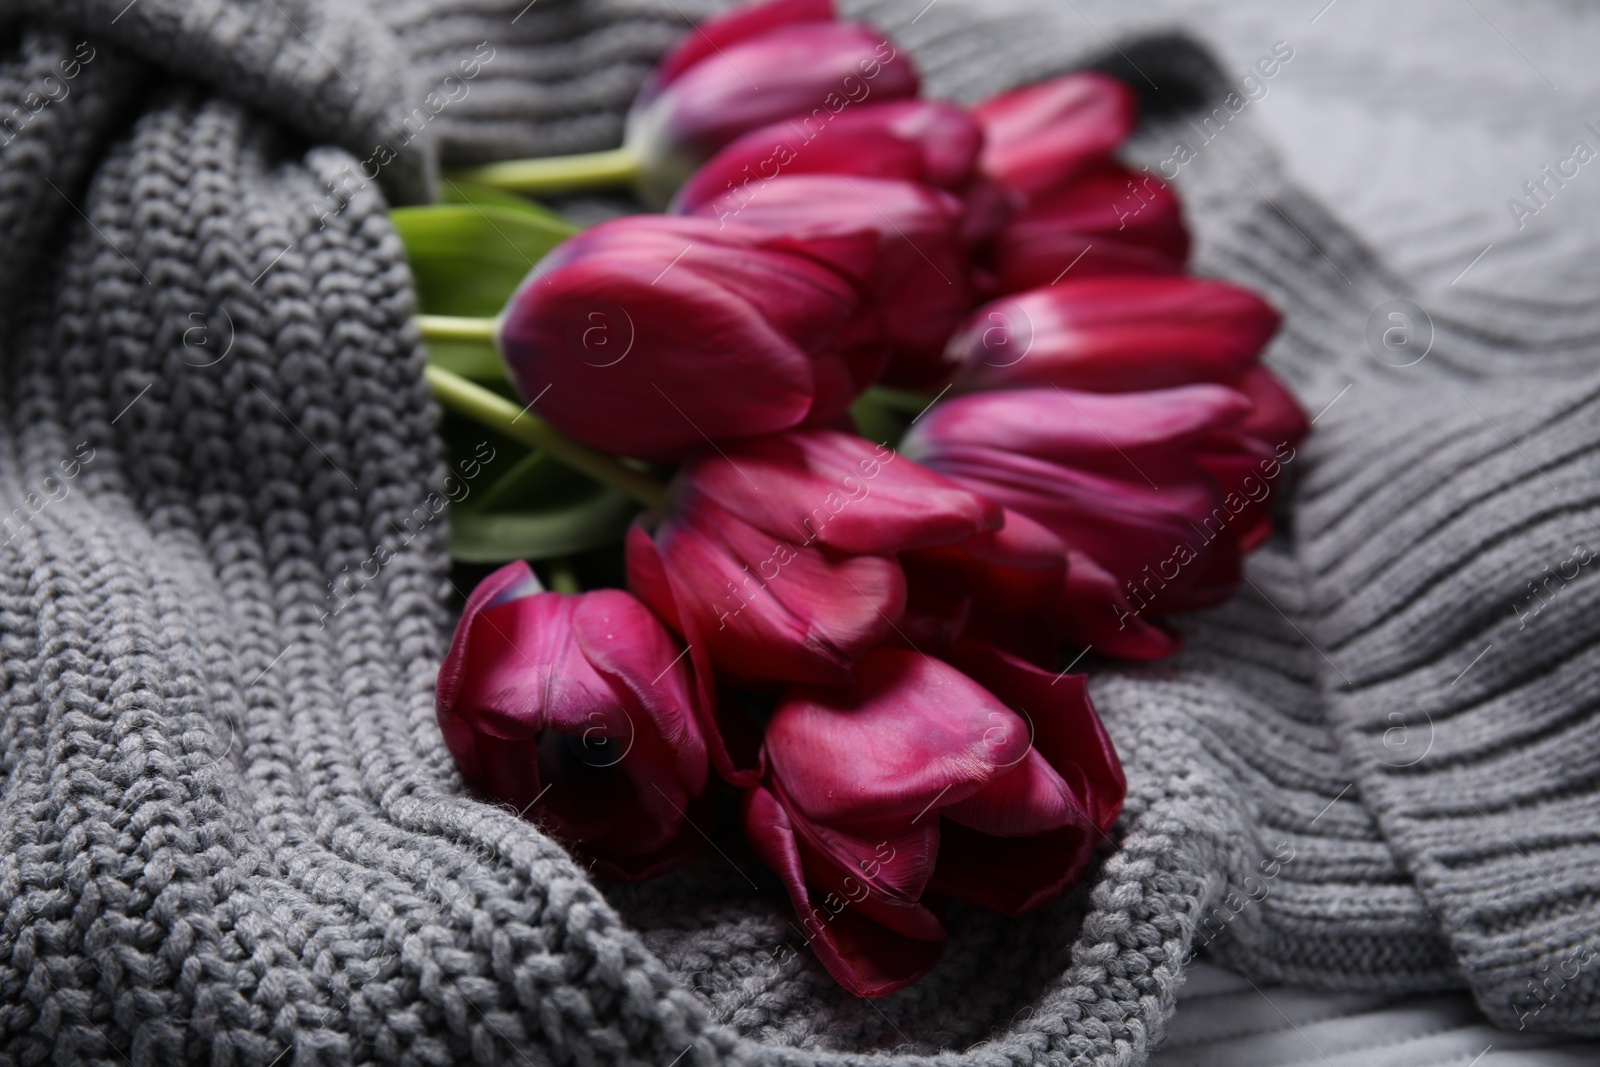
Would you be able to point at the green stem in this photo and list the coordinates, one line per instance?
(456, 328)
(559, 174)
(498, 413)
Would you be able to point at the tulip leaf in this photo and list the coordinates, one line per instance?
(456, 191)
(467, 259)
(537, 480)
(500, 536)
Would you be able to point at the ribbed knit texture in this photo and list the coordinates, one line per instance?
(229, 831)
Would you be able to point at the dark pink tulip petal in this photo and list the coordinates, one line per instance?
(646, 333)
(1040, 135)
(1094, 611)
(1112, 433)
(767, 609)
(841, 491)
(807, 71)
(547, 703)
(1114, 335)
(1108, 220)
(1027, 799)
(1240, 463)
(1127, 480)
(740, 23)
(1277, 419)
(922, 141)
(732, 740)
(918, 281)
(1068, 733)
(1017, 568)
(867, 957)
(907, 733)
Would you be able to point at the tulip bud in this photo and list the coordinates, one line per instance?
(1041, 135)
(647, 335)
(919, 779)
(917, 281)
(776, 559)
(754, 66)
(1105, 220)
(1124, 479)
(923, 141)
(1114, 335)
(577, 711)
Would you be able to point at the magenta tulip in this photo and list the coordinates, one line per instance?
(1114, 335)
(647, 334)
(1106, 220)
(577, 710)
(1041, 135)
(754, 66)
(776, 561)
(1124, 479)
(922, 141)
(920, 779)
(997, 587)
(918, 288)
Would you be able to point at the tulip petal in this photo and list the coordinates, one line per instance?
(772, 610)
(741, 23)
(1067, 730)
(840, 490)
(800, 70)
(1108, 220)
(1015, 569)
(1094, 611)
(911, 733)
(644, 335)
(622, 640)
(1029, 798)
(1084, 429)
(924, 141)
(1114, 334)
(1039, 135)
(731, 739)
(868, 959)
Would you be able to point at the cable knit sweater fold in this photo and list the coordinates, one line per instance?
(229, 831)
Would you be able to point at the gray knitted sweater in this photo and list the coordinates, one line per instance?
(229, 831)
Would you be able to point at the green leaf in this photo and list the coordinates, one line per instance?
(500, 536)
(467, 259)
(456, 191)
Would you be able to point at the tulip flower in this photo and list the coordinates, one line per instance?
(1039, 136)
(647, 335)
(578, 711)
(776, 560)
(1105, 220)
(921, 779)
(1123, 479)
(1114, 335)
(996, 586)
(752, 66)
(917, 283)
(922, 141)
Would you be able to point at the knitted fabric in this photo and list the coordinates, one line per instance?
(229, 831)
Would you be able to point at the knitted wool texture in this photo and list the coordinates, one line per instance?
(229, 831)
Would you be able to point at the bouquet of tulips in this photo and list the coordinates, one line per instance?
(899, 408)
